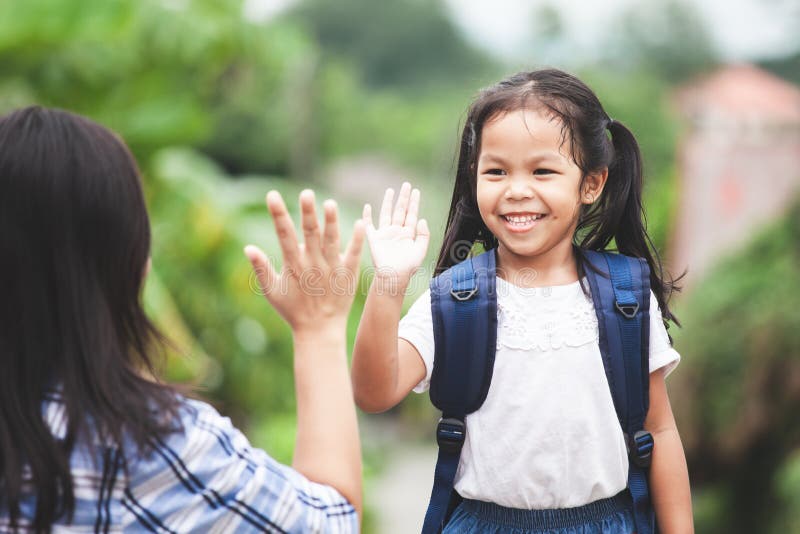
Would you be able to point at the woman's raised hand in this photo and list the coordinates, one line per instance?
(399, 243)
(317, 283)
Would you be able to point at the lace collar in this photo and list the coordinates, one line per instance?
(544, 318)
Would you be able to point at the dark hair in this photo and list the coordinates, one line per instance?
(616, 215)
(74, 243)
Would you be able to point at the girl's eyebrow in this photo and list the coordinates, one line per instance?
(492, 157)
(536, 157)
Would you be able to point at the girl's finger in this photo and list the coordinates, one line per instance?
(352, 255)
(284, 228)
(385, 218)
(401, 208)
(413, 210)
(265, 273)
(330, 236)
(366, 215)
(310, 224)
(423, 237)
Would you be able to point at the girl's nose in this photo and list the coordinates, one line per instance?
(519, 189)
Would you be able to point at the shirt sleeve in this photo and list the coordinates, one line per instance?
(209, 479)
(417, 328)
(661, 352)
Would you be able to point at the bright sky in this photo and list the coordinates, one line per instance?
(741, 29)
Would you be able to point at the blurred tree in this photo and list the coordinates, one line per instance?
(738, 394)
(160, 73)
(666, 37)
(548, 44)
(398, 43)
(787, 67)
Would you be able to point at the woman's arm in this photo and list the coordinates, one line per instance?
(669, 476)
(385, 368)
(313, 293)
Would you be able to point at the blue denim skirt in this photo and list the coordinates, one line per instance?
(606, 516)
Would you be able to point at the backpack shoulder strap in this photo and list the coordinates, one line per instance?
(464, 311)
(620, 287)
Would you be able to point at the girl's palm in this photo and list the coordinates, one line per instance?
(400, 241)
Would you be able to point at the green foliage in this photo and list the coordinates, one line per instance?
(665, 37)
(417, 132)
(159, 73)
(740, 386)
(786, 67)
(201, 223)
(787, 485)
(399, 43)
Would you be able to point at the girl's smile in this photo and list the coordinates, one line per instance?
(520, 222)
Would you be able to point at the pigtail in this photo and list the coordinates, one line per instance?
(619, 215)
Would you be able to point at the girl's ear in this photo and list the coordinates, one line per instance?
(593, 186)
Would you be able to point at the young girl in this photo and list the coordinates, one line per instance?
(89, 441)
(543, 173)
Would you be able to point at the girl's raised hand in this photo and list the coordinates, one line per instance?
(400, 241)
(316, 285)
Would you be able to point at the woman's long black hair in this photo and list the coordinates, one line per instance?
(74, 245)
(616, 215)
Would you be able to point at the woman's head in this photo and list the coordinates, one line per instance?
(75, 242)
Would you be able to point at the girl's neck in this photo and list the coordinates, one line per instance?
(558, 266)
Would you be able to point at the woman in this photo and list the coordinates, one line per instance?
(89, 441)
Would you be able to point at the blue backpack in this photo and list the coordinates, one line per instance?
(464, 310)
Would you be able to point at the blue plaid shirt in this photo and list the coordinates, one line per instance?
(205, 479)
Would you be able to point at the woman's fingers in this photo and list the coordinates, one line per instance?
(413, 210)
(330, 236)
(267, 277)
(352, 256)
(400, 210)
(284, 228)
(310, 224)
(385, 218)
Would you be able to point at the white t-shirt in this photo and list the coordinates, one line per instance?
(547, 435)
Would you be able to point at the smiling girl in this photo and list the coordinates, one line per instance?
(544, 175)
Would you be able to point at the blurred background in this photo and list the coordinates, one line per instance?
(222, 100)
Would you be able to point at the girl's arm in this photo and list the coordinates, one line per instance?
(386, 368)
(308, 294)
(669, 476)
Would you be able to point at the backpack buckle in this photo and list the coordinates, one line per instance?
(450, 434)
(628, 310)
(463, 294)
(640, 448)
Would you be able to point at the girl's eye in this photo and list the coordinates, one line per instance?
(543, 171)
(496, 172)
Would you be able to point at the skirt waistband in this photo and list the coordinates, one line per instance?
(544, 519)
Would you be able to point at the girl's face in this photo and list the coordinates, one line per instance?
(528, 186)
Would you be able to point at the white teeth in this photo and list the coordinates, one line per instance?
(522, 219)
